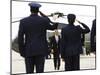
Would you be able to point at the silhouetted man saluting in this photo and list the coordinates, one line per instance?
(71, 45)
(32, 39)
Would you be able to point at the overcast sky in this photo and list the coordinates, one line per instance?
(85, 14)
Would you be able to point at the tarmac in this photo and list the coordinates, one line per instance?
(87, 62)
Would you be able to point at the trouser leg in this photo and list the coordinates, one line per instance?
(55, 62)
(58, 61)
(29, 65)
(40, 60)
(76, 62)
(68, 63)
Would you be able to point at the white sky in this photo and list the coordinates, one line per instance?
(21, 9)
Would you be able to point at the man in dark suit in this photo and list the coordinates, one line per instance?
(32, 39)
(71, 45)
(93, 36)
(55, 45)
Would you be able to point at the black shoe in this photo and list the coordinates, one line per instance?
(55, 68)
(58, 68)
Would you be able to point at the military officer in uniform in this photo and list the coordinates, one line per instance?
(71, 45)
(32, 39)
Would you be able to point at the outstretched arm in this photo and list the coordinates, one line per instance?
(42, 14)
(51, 24)
(86, 28)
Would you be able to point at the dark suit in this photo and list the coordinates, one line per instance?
(82, 39)
(93, 36)
(71, 45)
(32, 41)
(56, 51)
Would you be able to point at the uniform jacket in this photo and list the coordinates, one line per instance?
(32, 35)
(71, 40)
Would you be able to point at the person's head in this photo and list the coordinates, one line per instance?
(71, 18)
(34, 7)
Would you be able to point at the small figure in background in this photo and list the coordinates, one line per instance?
(55, 44)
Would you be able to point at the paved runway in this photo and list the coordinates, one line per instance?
(86, 62)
